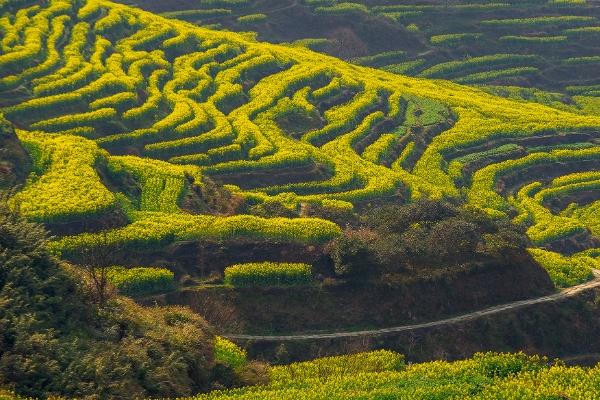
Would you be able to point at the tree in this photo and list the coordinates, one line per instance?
(36, 297)
(95, 264)
(453, 240)
(399, 218)
(353, 256)
(425, 235)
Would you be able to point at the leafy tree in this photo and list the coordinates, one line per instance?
(36, 298)
(452, 239)
(353, 256)
(427, 234)
(397, 219)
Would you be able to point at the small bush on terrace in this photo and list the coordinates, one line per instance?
(268, 274)
(252, 19)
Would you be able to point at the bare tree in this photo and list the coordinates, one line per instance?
(95, 263)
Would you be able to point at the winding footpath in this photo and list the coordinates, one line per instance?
(563, 294)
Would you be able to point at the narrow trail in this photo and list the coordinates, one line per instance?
(563, 294)
(287, 7)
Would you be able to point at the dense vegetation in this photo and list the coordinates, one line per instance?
(267, 274)
(543, 44)
(127, 133)
(54, 339)
(384, 374)
(425, 238)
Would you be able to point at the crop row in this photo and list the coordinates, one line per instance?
(65, 186)
(155, 228)
(140, 280)
(268, 274)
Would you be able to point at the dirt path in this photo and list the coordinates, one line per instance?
(293, 4)
(570, 292)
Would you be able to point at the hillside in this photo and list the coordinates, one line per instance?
(532, 44)
(168, 104)
(274, 189)
(55, 340)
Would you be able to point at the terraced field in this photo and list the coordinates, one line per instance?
(543, 44)
(127, 116)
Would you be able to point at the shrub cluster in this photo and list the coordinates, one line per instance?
(425, 235)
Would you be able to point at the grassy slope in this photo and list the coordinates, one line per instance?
(480, 115)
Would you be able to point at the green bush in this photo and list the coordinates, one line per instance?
(268, 274)
(54, 341)
(353, 256)
(422, 236)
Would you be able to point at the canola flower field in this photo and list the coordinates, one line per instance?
(384, 375)
(96, 86)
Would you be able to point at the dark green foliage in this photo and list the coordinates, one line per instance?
(453, 238)
(425, 235)
(272, 209)
(353, 256)
(396, 219)
(35, 297)
(54, 341)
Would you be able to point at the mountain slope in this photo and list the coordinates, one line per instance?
(101, 93)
